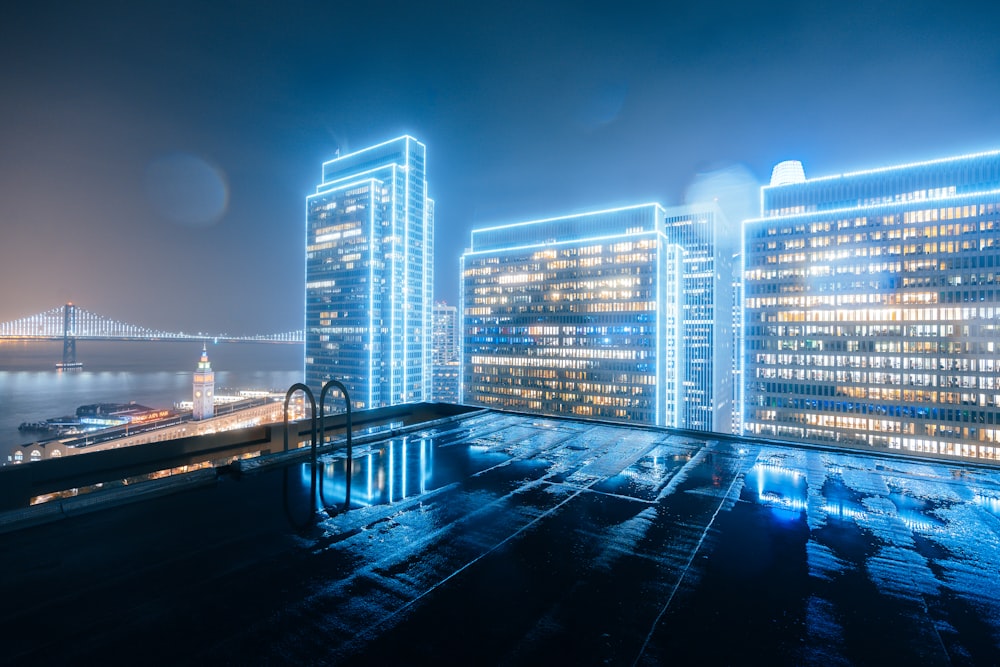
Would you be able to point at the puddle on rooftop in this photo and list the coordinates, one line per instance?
(646, 478)
(400, 468)
(782, 489)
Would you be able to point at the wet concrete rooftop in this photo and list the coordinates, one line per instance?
(512, 539)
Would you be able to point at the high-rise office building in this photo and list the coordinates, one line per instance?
(575, 315)
(369, 279)
(446, 342)
(707, 315)
(872, 308)
(446, 354)
(737, 355)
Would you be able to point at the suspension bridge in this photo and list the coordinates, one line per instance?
(70, 323)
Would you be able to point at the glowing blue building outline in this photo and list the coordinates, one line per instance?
(916, 211)
(399, 273)
(579, 230)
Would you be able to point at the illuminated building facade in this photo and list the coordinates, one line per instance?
(872, 308)
(447, 377)
(203, 406)
(446, 345)
(446, 354)
(737, 355)
(576, 315)
(706, 315)
(369, 278)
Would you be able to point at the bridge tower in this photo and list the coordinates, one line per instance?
(69, 339)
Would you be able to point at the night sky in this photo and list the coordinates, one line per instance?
(155, 157)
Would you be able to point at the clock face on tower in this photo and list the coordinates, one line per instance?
(197, 394)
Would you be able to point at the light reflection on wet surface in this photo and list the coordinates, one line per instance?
(498, 538)
(599, 543)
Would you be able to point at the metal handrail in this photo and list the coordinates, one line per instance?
(312, 481)
(348, 467)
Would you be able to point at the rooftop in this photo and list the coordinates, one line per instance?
(492, 537)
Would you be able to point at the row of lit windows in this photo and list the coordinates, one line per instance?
(874, 425)
(528, 387)
(859, 315)
(479, 277)
(634, 413)
(556, 353)
(552, 283)
(878, 378)
(799, 396)
(923, 362)
(816, 337)
(917, 445)
(487, 386)
(932, 214)
(549, 296)
(596, 307)
(817, 239)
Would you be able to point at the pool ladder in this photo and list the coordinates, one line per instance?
(314, 443)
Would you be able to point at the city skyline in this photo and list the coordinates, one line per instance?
(571, 110)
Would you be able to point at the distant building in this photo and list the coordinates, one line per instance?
(575, 315)
(737, 356)
(709, 246)
(446, 353)
(203, 406)
(447, 378)
(446, 340)
(872, 308)
(369, 276)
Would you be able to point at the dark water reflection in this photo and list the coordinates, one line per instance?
(398, 469)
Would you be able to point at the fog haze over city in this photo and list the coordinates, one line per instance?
(155, 158)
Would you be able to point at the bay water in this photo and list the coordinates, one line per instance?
(154, 374)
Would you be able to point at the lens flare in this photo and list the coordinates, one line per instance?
(187, 190)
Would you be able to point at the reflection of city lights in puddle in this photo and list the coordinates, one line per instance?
(841, 511)
(186, 189)
(380, 473)
(912, 520)
(370, 466)
(916, 522)
(784, 496)
(989, 502)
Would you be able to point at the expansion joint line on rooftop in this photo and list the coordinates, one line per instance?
(509, 538)
(618, 496)
(738, 477)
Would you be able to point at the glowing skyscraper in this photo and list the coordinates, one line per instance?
(575, 315)
(872, 308)
(706, 315)
(369, 275)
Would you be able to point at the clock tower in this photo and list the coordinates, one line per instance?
(204, 388)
